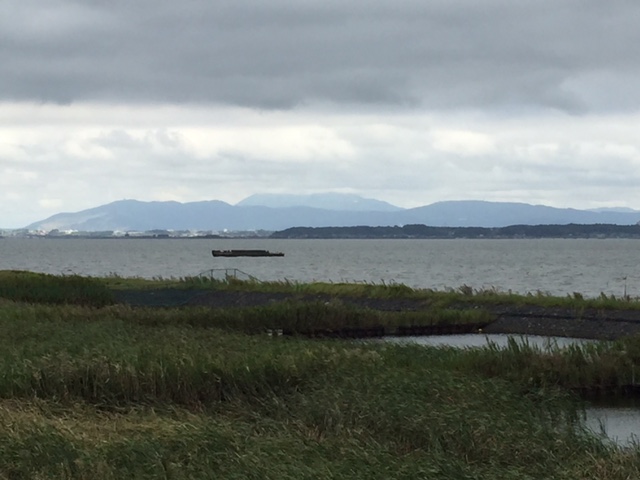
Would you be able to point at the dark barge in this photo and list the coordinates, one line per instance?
(246, 253)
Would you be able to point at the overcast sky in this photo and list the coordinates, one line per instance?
(412, 102)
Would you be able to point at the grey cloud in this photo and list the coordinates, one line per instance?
(568, 55)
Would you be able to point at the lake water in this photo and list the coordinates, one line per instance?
(618, 421)
(555, 266)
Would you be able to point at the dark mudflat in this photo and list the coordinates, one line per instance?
(563, 322)
(173, 297)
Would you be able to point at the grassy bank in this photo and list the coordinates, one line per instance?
(84, 391)
(44, 288)
(112, 392)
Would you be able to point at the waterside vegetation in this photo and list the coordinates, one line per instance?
(106, 390)
(463, 294)
(411, 231)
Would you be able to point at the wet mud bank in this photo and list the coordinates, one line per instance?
(558, 322)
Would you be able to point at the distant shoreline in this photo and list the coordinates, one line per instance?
(569, 231)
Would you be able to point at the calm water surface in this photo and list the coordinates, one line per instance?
(618, 420)
(474, 340)
(548, 265)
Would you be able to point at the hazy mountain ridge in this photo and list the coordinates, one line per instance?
(470, 213)
(215, 215)
(325, 201)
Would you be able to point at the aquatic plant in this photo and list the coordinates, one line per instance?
(44, 288)
(588, 369)
(120, 392)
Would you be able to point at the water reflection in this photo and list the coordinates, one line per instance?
(616, 419)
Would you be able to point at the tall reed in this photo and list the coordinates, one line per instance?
(598, 367)
(107, 393)
(43, 288)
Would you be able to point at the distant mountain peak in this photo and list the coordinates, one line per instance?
(326, 201)
(317, 210)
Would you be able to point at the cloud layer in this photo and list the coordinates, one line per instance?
(410, 102)
(574, 55)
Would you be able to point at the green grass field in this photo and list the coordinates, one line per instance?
(93, 390)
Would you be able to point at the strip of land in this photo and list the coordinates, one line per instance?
(588, 323)
(429, 232)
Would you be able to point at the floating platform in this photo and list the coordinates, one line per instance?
(246, 253)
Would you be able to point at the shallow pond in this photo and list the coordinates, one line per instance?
(616, 419)
(482, 340)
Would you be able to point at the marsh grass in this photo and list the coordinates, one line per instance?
(35, 287)
(120, 392)
(43, 288)
(442, 298)
(107, 361)
(360, 411)
(592, 368)
(309, 317)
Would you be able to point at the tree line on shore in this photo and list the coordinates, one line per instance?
(425, 231)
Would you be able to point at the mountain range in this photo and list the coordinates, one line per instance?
(278, 212)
